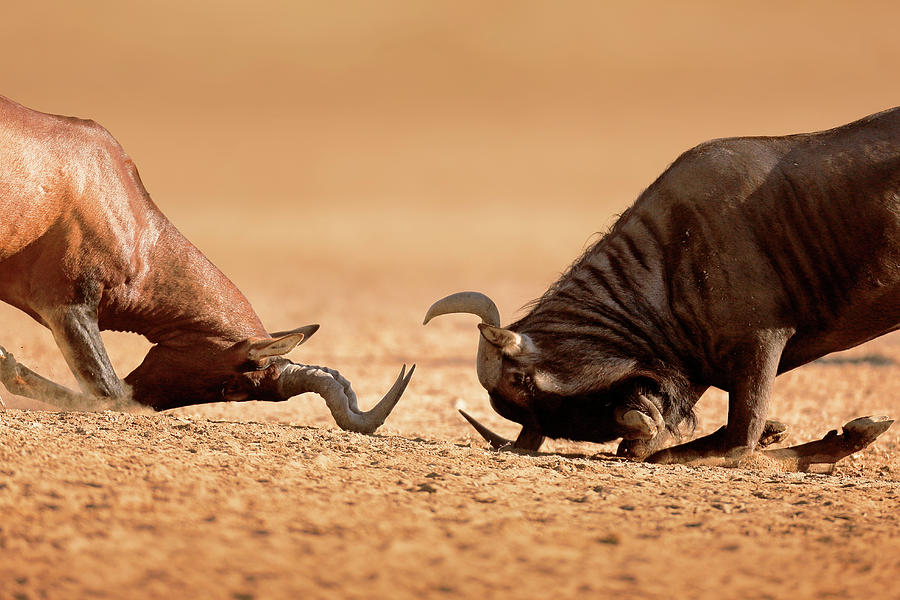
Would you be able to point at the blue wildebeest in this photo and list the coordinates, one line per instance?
(746, 258)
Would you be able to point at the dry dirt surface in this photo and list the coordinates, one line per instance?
(117, 505)
(350, 163)
(262, 500)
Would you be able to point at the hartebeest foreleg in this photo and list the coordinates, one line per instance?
(22, 381)
(77, 334)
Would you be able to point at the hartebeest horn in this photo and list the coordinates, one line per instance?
(338, 395)
(476, 303)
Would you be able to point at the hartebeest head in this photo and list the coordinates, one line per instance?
(253, 369)
(549, 393)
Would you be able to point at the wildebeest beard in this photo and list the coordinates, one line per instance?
(590, 416)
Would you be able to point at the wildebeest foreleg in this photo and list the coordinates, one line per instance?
(22, 381)
(773, 432)
(748, 404)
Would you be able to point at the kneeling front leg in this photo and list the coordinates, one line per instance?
(22, 381)
(748, 405)
(77, 334)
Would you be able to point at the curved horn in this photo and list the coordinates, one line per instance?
(495, 440)
(340, 398)
(529, 439)
(476, 303)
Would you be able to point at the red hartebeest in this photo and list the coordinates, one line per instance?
(83, 248)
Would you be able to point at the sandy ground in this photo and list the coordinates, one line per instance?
(350, 163)
(261, 500)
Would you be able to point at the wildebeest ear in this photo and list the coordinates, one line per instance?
(508, 342)
(260, 348)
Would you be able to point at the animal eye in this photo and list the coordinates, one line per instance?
(522, 380)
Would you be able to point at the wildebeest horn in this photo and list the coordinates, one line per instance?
(495, 440)
(339, 396)
(529, 439)
(476, 303)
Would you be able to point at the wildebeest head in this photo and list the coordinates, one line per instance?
(541, 381)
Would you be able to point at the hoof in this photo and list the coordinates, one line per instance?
(774, 432)
(864, 430)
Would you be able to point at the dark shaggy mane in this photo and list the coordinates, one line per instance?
(593, 247)
(678, 410)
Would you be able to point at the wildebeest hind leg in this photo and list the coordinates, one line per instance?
(857, 434)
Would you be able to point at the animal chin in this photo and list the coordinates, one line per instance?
(511, 411)
(585, 418)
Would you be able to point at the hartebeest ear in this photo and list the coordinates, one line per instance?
(510, 343)
(306, 330)
(260, 348)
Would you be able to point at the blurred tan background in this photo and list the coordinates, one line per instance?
(332, 155)
(350, 162)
